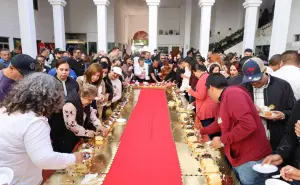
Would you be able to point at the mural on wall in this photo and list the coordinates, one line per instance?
(140, 38)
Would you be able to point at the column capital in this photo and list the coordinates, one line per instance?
(58, 2)
(153, 2)
(252, 3)
(206, 3)
(101, 2)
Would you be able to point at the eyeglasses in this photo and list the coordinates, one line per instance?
(162, 58)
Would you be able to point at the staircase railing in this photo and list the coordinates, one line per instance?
(234, 39)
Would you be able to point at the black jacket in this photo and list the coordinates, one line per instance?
(109, 88)
(77, 66)
(64, 140)
(280, 94)
(289, 147)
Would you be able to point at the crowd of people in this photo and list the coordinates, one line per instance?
(48, 104)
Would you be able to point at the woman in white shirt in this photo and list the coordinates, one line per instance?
(141, 71)
(25, 144)
(186, 76)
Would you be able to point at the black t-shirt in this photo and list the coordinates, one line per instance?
(77, 66)
(155, 71)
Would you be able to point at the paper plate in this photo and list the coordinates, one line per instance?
(275, 182)
(266, 168)
(6, 175)
(121, 120)
(190, 107)
(208, 142)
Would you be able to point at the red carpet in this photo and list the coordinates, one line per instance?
(147, 154)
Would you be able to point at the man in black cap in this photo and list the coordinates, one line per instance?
(269, 92)
(57, 55)
(20, 66)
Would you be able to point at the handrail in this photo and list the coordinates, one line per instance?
(234, 38)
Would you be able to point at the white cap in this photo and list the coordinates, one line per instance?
(117, 70)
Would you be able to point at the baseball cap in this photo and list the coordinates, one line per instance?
(25, 64)
(57, 50)
(253, 70)
(117, 70)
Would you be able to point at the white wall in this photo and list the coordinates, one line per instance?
(168, 19)
(81, 17)
(9, 19)
(294, 27)
(227, 14)
(195, 29)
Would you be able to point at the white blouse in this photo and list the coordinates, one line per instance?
(138, 71)
(25, 147)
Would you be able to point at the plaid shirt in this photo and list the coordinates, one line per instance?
(259, 101)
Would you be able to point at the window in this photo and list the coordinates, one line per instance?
(4, 43)
(36, 5)
(297, 38)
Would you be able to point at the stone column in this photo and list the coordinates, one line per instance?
(205, 21)
(27, 27)
(250, 27)
(59, 23)
(153, 14)
(187, 25)
(102, 24)
(280, 28)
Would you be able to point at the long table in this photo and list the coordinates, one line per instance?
(149, 150)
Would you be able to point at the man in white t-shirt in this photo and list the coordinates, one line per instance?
(290, 71)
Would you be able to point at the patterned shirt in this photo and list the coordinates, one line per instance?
(259, 101)
(69, 113)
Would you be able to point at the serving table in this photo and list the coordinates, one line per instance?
(106, 156)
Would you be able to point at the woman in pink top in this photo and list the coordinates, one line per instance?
(206, 108)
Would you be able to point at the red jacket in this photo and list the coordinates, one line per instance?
(243, 133)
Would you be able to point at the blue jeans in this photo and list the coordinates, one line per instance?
(247, 175)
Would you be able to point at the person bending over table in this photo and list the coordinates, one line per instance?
(288, 150)
(78, 120)
(25, 144)
(243, 135)
(155, 71)
(206, 108)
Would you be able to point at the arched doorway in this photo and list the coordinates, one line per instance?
(139, 41)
